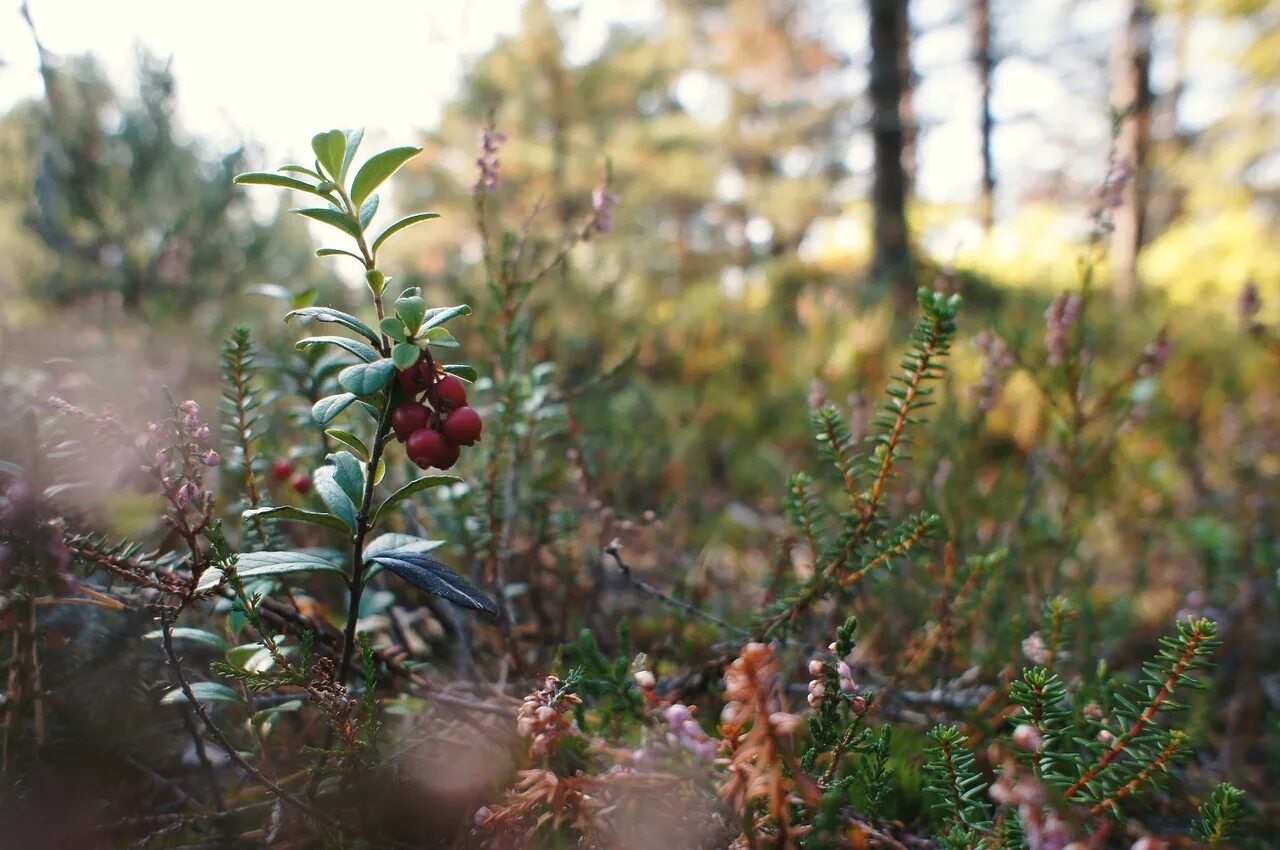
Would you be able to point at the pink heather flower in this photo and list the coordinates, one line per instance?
(687, 733)
(482, 815)
(859, 705)
(1059, 319)
(1027, 737)
(490, 141)
(189, 407)
(996, 364)
(816, 667)
(1035, 650)
(203, 435)
(187, 493)
(1155, 355)
(211, 458)
(817, 394)
(603, 203)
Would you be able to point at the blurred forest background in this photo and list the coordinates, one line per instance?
(788, 171)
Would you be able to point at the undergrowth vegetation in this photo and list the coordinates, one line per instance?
(324, 639)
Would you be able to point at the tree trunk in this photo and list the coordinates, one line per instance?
(984, 64)
(891, 261)
(1132, 97)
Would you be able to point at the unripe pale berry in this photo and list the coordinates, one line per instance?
(407, 418)
(463, 426)
(451, 391)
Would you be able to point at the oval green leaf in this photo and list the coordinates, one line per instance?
(426, 482)
(463, 371)
(203, 692)
(333, 218)
(185, 633)
(270, 564)
(334, 496)
(258, 178)
(366, 378)
(351, 441)
(297, 514)
(337, 317)
(326, 409)
(330, 149)
(407, 221)
(379, 167)
(359, 349)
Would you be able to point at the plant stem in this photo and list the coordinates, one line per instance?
(356, 582)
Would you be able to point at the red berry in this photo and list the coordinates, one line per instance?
(452, 451)
(426, 447)
(451, 391)
(415, 379)
(463, 426)
(301, 483)
(282, 469)
(407, 418)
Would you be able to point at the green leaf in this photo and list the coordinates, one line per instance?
(333, 218)
(424, 483)
(404, 355)
(350, 440)
(271, 564)
(368, 210)
(377, 169)
(407, 221)
(359, 349)
(354, 137)
(411, 309)
(440, 337)
(291, 513)
(184, 633)
(439, 315)
(380, 472)
(330, 149)
(461, 370)
(334, 496)
(394, 328)
(338, 252)
(350, 474)
(326, 409)
(258, 178)
(366, 378)
(203, 692)
(393, 540)
(426, 573)
(251, 657)
(298, 169)
(328, 314)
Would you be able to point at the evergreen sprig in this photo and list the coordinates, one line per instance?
(1220, 816)
(240, 403)
(952, 777)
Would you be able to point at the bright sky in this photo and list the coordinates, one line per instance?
(275, 71)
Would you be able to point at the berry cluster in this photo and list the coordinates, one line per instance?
(435, 422)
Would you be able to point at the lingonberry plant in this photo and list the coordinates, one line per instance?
(902, 677)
